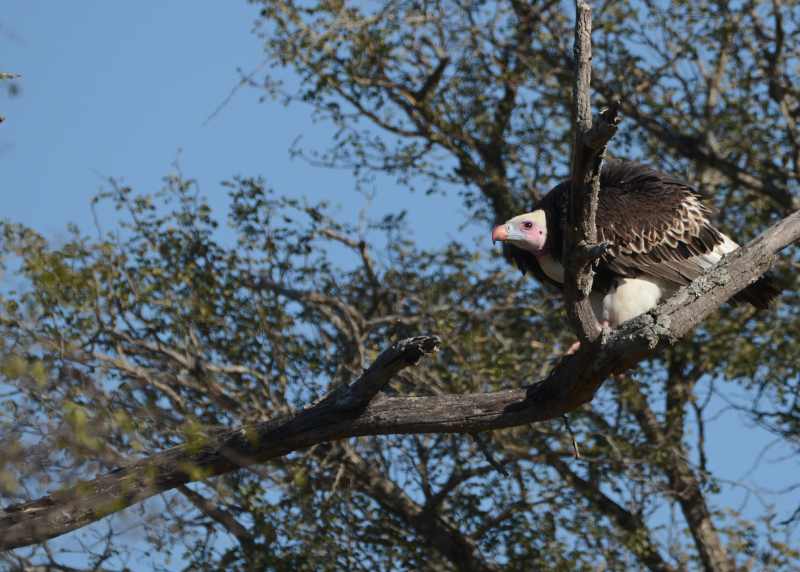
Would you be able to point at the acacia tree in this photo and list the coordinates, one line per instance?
(160, 355)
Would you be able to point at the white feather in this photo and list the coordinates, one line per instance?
(631, 297)
(710, 259)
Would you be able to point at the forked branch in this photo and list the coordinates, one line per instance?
(589, 144)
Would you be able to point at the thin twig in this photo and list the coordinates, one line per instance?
(483, 448)
(575, 451)
(243, 81)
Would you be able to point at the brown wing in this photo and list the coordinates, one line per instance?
(656, 223)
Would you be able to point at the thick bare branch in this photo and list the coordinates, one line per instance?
(206, 455)
(580, 239)
(353, 410)
(404, 353)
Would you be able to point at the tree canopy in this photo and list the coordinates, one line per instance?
(117, 348)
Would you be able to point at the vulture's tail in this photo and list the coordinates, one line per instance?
(760, 293)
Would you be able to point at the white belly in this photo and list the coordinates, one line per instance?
(630, 298)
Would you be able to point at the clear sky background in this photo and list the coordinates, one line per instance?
(122, 89)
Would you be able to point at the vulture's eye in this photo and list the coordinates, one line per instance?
(527, 225)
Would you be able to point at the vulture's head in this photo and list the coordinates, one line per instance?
(526, 231)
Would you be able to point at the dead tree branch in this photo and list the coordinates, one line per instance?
(589, 145)
(354, 410)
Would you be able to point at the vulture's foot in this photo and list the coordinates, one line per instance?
(604, 325)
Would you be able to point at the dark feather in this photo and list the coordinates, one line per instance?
(760, 293)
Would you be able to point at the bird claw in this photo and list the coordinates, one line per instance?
(605, 329)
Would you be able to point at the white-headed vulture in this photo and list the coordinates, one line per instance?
(660, 234)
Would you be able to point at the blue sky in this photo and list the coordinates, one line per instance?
(123, 89)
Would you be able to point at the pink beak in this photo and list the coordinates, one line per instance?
(499, 233)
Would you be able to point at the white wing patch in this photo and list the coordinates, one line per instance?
(710, 259)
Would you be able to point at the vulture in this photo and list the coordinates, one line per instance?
(660, 234)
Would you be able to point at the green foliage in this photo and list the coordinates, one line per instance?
(162, 331)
